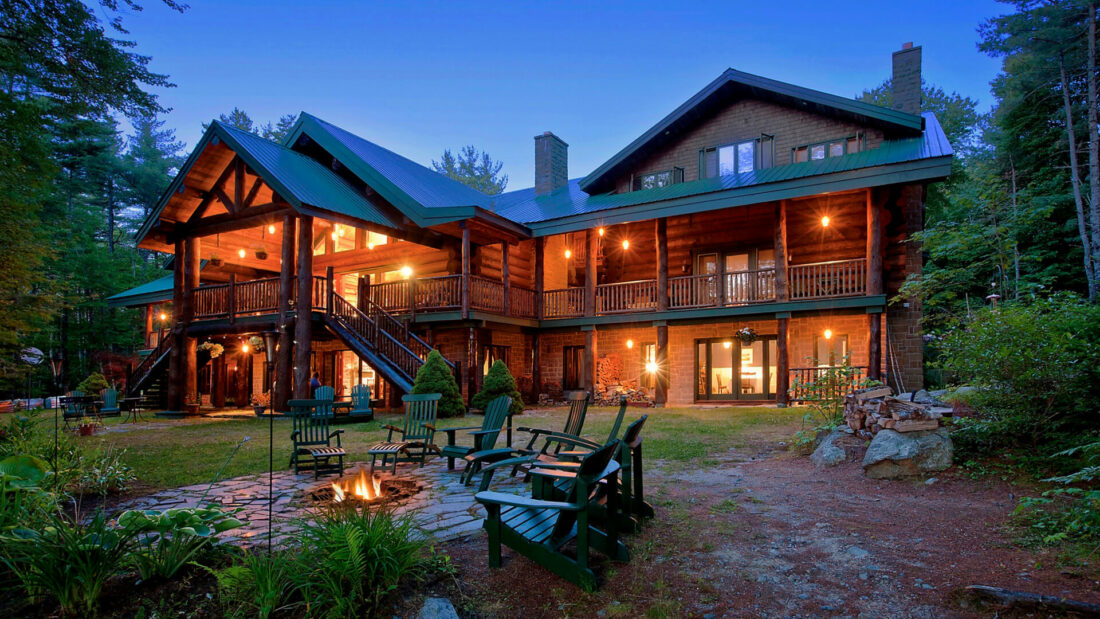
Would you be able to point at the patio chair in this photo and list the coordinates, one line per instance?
(416, 435)
(74, 409)
(539, 529)
(360, 403)
(327, 395)
(313, 440)
(110, 404)
(484, 436)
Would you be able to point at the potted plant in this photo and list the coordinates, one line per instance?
(261, 254)
(747, 335)
(86, 429)
(215, 260)
(260, 403)
(191, 406)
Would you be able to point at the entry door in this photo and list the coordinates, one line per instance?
(726, 369)
(706, 289)
(572, 368)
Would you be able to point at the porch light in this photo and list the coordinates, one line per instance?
(163, 317)
(651, 367)
(727, 344)
(244, 348)
(825, 221)
(600, 231)
(271, 229)
(828, 334)
(406, 272)
(339, 231)
(241, 253)
(333, 235)
(568, 254)
(630, 343)
(626, 244)
(370, 245)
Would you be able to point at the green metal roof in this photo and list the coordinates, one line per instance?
(155, 291)
(733, 84)
(570, 208)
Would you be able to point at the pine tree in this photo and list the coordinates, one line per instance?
(435, 376)
(473, 168)
(498, 382)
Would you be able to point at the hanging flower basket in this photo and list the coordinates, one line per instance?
(261, 254)
(747, 335)
(215, 261)
(214, 349)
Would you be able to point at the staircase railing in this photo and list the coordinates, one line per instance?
(367, 329)
(141, 372)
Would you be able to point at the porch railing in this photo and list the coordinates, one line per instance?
(563, 303)
(437, 293)
(486, 294)
(836, 278)
(801, 378)
(622, 297)
(522, 302)
(741, 288)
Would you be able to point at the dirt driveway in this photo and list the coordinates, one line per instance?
(762, 533)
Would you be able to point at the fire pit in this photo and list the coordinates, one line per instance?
(365, 489)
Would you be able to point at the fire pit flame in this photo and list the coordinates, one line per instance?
(363, 487)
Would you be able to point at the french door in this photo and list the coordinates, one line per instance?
(727, 369)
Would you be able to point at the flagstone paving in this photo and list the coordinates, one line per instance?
(443, 508)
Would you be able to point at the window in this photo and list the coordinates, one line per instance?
(829, 352)
(491, 354)
(663, 178)
(649, 355)
(829, 148)
(727, 369)
(737, 158)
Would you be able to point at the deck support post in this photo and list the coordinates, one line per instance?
(661, 395)
(175, 357)
(874, 287)
(149, 326)
(471, 364)
(536, 369)
(591, 248)
(661, 234)
(590, 359)
(782, 362)
(540, 285)
(191, 265)
(303, 323)
(330, 289)
(217, 380)
(285, 348)
(782, 286)
(506, 278)
(465, 271)
(232, 298)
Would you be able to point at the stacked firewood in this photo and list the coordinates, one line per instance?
(870, 410)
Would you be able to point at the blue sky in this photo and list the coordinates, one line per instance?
(419, 77)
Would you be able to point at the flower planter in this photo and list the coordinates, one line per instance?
(86, 429)
(191, 408)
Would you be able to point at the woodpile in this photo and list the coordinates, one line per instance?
(869, 411)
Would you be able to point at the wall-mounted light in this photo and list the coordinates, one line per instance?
(630, 343)
(600, 231)
(568, 254)
(163, 316)
(727, 344)
(244, 348)
(406, 272)
(241, 252)
(370, 245)
(333, 235)
(651, 367)
(339, 230)
(626, 244)
(825, 221)
(828, 334)
(271, 229)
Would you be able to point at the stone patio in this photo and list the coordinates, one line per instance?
(442, 509)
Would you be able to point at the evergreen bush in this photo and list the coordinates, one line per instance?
(92, 385)
(499, 382)
(435, 376)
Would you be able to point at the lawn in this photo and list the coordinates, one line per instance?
(171, 453)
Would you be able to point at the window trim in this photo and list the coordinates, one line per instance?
(637, 178)
(858, 137)
(718, 169)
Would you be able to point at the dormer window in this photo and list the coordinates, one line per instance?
(827, 149)
(663, 178)
(736, 158)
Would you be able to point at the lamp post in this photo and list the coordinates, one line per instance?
(56, 361)
(271, 338)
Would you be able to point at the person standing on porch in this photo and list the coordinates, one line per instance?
(315, 382)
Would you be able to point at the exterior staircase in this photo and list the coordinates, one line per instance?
(149, 374)
(383, 341)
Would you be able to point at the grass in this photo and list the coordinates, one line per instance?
(172, 453)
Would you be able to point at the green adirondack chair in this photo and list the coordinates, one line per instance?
(578, 445)
(360, 403)
(110, 404)
(313, 440)
(327, 395)
(484, 436)
(416, 436)
(538, 529)
(74, 411)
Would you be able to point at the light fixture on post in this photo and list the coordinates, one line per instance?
(245, 348)
(270, 339)
(568, 254)
(651, 367)
(727, 344)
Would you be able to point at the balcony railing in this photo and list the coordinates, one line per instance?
(837, 278)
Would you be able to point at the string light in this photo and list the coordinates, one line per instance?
(825, 221)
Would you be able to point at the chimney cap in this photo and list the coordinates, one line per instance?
(549, 134)
(907, 45)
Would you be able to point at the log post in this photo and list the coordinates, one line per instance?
(362, 293)
(191, 266)
(590, 359)
(149, 326)
(217, 379)
(782, 363)
(465, 271)
(175, 357)
(283, 352)
(506, 278)
(412, 301)
(303, 323)
(536, 366)
(471, 364)
(874, 247)
(662, 269)
(591, 247)
(661, 395)
(330, 282)
(874, 346)
(540, 250)
(232, 298)
(782, 285)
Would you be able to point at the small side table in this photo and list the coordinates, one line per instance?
(133, 410)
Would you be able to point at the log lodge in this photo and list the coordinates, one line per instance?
(752, 236)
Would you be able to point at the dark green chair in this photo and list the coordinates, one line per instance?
(360, 403)
(327, 395)
(578, 446)
(75, 409)
(110, 404)
(312, 439)
(484, 436)
(417, 435)
(539, 529)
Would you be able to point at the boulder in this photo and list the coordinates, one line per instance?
(438, 608)
(828, 452)
(894, 455)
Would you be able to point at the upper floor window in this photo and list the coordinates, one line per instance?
(736, 158)
(822, 150)
(663, 178)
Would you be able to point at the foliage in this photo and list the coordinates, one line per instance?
(1035, 368)
(435, 376)
(92, 385)
(499, 382)
(824, 396)
(1070, 512)
(168, 540)
(473, 168)
(239, 119)
(260, 585)
(352, 558)
(101, 473)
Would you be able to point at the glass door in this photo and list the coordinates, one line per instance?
(706, 288)
(727, 369)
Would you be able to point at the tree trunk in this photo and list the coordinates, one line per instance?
(1075, 177)
(111, 215)
(1094, 159)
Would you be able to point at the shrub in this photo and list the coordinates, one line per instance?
(260, 585)
(1035, 368)
(1076, 515)
(352, 558)
(499, 382)
(102, 473)
(435, 376)
(824, 397)
(168, 540)
(92, 385)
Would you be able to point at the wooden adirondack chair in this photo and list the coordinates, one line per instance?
(484, 436)
(74, 409)
(579, 445)
(110, 404)
(327, 395)
(360, 403)
(313, 439)
(538, 529)
(416, 436)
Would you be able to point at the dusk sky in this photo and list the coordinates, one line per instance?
(424, 76)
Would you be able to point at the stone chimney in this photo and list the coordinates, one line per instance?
(906, 80)
(551, 163)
